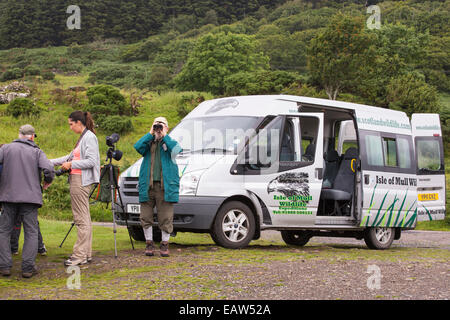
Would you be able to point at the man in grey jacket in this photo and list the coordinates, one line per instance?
(21, 194)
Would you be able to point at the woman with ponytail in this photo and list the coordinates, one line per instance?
(83, 165)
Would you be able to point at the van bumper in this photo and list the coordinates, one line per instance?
(191, 214)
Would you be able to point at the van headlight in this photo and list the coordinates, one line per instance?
(189, 182)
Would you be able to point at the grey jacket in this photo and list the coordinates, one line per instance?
(90, 160)
(23, 165)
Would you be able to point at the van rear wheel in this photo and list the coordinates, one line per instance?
(234, 226)
(295, 238)
(379, 238)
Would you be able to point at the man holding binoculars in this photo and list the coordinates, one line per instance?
(159, 183)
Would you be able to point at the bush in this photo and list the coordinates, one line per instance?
(258, 82)
(159, 77)
(32, 71)
(109, 109)
(106, 100)
(48, 75)
(188, 102)
(12, 74)
(22, 107)
(119, 76)
(114, 124)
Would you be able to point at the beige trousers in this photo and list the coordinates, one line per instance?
(82, 217)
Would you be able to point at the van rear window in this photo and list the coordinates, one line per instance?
(430, 158)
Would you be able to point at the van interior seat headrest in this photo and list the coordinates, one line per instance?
(331, 156)
(351, 153)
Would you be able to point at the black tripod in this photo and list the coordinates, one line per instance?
(113, 186)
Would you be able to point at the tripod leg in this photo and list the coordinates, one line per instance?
(123, 208)
(73, 223)
(129, 234)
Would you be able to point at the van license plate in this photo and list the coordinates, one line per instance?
(428, 197)
(133, 208)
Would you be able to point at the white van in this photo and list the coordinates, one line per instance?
(304, 166)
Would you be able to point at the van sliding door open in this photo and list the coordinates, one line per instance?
(426, 129)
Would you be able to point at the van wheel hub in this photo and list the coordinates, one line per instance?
(383, 234)
(235, 225)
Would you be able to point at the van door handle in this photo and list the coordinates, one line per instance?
(319, 173)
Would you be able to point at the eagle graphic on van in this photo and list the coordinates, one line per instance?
(290, 184)
(223, 104)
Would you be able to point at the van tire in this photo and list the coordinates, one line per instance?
(243, 229)
(295, 238)
(379, 238)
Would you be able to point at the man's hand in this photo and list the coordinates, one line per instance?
(164, 131)
(66, 166)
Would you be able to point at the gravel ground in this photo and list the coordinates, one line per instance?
(416, 267)
(409, 239)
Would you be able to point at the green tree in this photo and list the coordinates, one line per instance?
(216, 56)
(411, 94)
(341, 55)
(259, 82)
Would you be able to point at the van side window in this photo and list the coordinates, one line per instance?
(390, 152)
(374, 150)
(309, 128)
(404, 153)
(387, 152)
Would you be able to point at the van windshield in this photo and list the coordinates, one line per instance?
(214, 134)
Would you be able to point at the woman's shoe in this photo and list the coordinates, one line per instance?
(74, 262)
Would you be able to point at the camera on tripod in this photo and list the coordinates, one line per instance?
(112, 152)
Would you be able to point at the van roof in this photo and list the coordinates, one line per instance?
(368, 117)
(263, 105)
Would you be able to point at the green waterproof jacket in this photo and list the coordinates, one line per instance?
(171, 178)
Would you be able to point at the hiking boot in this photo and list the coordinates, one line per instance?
(74, 262)
(88, 259)
(164, 249)
(30, 274)
(42, 251)
(149, 249)
(5, 272)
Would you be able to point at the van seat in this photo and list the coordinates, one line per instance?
(332, 160)
(309, 152)
(344, 182)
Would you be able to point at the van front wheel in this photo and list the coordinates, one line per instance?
(379, 238)
(234, 226)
